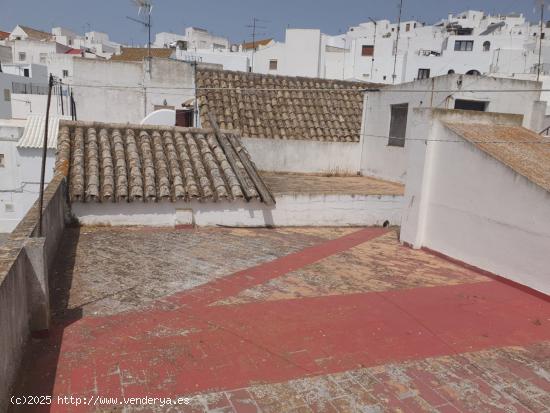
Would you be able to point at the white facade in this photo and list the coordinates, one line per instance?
(382, 160)
(120, 92)
(194, 39)
(97, 43)
(19, 174)
(226, 60)
(463, 203)
(470, 42)
(36, 51)
(304, 156)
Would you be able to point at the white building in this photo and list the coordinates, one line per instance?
(127, 91)
(387, 117)
(20, 165)
(194, 38)
(380, 51)
(478, 191)
(95, 43)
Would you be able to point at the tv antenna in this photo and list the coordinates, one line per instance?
(145, 7)
(254, 26)
(542, 5)
(396, 49)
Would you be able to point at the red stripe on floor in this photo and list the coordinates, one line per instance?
(242, 280)
(184, 352)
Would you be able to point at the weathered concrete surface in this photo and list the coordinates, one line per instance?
(294, 183)
(23, 287)
(412, 332)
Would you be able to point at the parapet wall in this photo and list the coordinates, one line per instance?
(24, 299)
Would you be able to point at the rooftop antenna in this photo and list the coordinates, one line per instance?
(541, 4)
(254, 26)
(145, 7)
(397, 40)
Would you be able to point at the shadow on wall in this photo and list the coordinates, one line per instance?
(49, 346)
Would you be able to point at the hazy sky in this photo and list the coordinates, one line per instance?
(230, 17)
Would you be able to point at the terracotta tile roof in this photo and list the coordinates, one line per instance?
(36, 34)
(135, 163)
(262, 106)
(252, 45)
(4, 35)
(525, 151)
(137, 54)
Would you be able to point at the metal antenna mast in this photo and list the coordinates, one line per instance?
(254, 26)
(397, 40)
(540, 37)
(147, 7)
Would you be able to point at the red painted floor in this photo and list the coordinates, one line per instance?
(185, 345)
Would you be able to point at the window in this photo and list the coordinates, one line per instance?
(451, 72)
(7, 95)
(26, 73)
(22, 56)
(70, 42)
(398, 124)
(367, 50)
(273, 64)
(486, 46)
(408, 27)
(43, 57)
(464, 45)
(423, 73)
(2, 165)
(65, 73)
(478, 105)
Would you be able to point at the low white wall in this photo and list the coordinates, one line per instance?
(465, 204)
(291, 210)
(303, 156)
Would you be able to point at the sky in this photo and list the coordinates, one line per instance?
(229, 18)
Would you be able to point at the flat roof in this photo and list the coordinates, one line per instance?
(294, 183)
(294, 318)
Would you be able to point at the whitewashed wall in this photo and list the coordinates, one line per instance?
(291, 210)
(465, 204)
(113, 91)
(389, 162)
(295, 155)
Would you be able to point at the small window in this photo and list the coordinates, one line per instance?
(273, 64)
(65, 73)
(408, 27)
(423, 74)
(26, 73)
(22, 56)
(477, 105)
(43, 57)
(7, 95)
(451, 72)
(464, 45)
(486, 46)
(2, 165)
(398, 124)
(70, 42)
(9, 208)
(367, 50)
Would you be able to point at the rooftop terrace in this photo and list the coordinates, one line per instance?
(288, 319)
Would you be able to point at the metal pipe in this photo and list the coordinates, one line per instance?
(44, 154)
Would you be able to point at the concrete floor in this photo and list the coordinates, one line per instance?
(302, 319)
